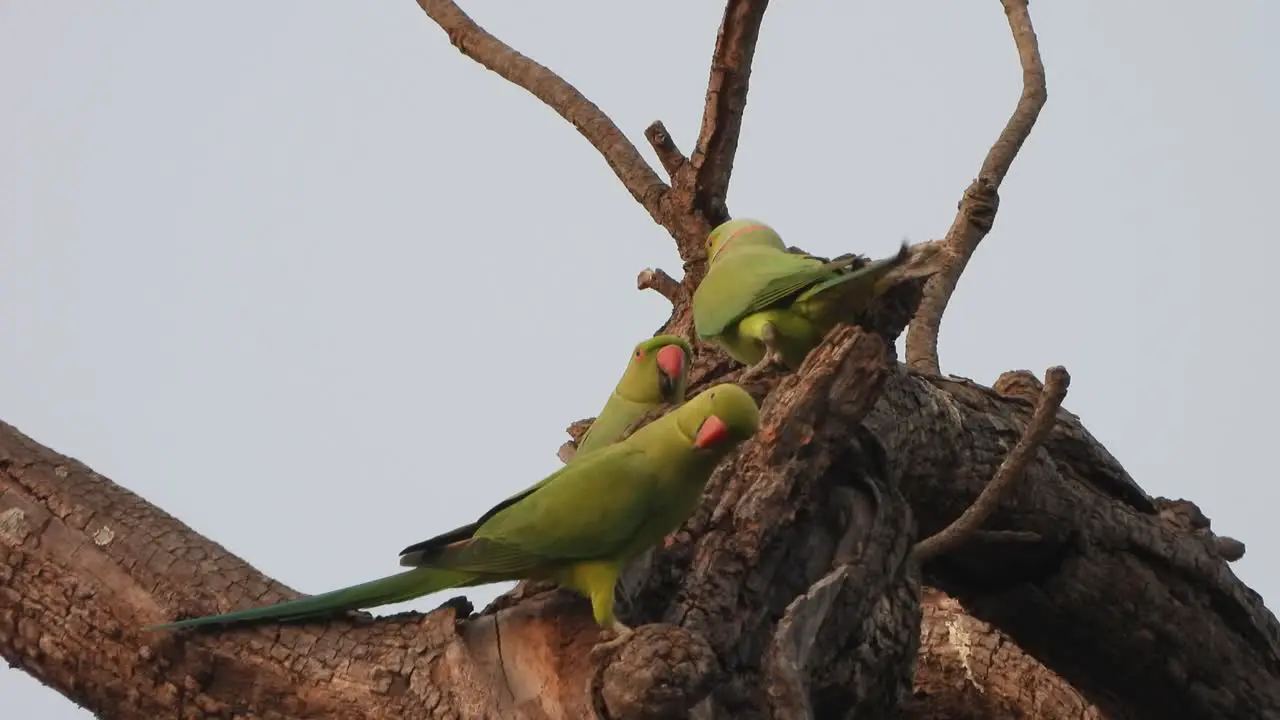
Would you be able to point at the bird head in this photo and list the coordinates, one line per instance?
(658, 371)
(735, 231)
(719, 418)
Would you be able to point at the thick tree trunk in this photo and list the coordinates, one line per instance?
(792, 592)
(1140, 613)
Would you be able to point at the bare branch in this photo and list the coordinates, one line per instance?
(712, 157)
(623, 158)
(977, 210)
(1042, 420)
(673, 161)
(662, 283)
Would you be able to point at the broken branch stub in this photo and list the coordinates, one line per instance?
(662, 283)
(673, 161)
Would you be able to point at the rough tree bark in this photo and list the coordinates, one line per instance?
(1057, 590)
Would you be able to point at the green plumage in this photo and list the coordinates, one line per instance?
(383, 591)
(752, 282)
(645, 385)
(563, 529)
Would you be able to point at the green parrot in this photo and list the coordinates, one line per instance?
(564, 529)
(762, 304)
(656, 375)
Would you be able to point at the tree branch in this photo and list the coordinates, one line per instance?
(1142, 616)
(1015, 463)
(1113, 578)
(622, 156)
(673, 161)
(85, 564)
(712, 158)
(662, 283)
(796, 571)
(977, 210)
(701, 183)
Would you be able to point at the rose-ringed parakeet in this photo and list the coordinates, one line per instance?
(656, 375)
(762, 304)
(578, 528)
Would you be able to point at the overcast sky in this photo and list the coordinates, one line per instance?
(309, 279)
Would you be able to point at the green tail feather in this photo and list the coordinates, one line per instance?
(868, 275)
(383, 591)
(851, 289)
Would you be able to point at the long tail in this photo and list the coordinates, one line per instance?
(383, 591)
(853, 290)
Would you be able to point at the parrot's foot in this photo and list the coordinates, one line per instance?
(772, 355)
(769, 360)
(603, 650)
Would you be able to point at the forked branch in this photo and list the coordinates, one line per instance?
(1056, 381)
(701, 181)
(977, 210)
(622, 156)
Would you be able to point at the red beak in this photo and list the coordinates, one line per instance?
(671, 361)
(713, 430)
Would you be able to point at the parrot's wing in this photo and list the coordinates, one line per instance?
(616, 416)
(589, 509)
(750, 282)
(871, 273)
(414, 555)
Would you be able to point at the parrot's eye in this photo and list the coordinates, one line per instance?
(639, 354)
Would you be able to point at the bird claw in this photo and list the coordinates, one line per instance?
(607, 648)
(771, 359)
(772, 355)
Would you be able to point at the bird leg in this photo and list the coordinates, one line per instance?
(621, 633)
(772, 355)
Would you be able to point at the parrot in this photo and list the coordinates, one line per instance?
(564, 529)
(763, 304)
(657, 374)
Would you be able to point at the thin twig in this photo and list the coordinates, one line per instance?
(712, 158)
(1056, 381)
(665, 285)
(622, 156)
(981, 199)
(673, 161)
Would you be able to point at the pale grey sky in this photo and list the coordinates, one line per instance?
(280, 267)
